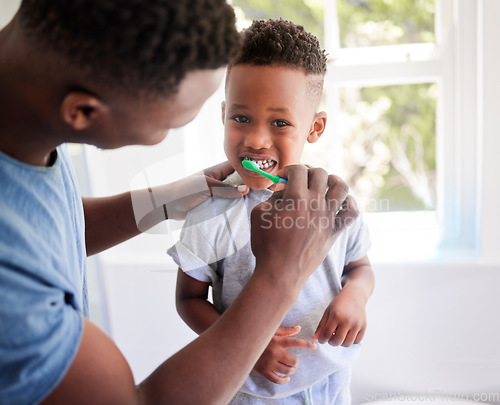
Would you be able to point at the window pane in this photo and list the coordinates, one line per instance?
(385, 22)
(308, 13)
(389, 139)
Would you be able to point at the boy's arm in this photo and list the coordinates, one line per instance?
(191, 300)
(358, 275)
(344, 321)
(115, 219)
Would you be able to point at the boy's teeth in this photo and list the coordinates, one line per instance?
(262, 164)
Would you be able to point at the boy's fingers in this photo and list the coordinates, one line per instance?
(297, 343)
(284, 369)
(277, 379)
(338, 338)
(322, 324)
(289, 360)
(288, 330)
(349, 339)
(360, 336)
(327, 333)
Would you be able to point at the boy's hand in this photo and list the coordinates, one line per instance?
(344, 321)
(276, 359)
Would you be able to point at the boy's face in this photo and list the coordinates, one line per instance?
(268, 116)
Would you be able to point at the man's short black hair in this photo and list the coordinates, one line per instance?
(135, 45)
(283, 43)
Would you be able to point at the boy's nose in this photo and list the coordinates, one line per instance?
(258, 139)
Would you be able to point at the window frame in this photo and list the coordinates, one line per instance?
(451, 62)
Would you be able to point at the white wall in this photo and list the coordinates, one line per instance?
(7, 10)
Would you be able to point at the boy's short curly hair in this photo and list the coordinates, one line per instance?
(281, 42)
(135, 45)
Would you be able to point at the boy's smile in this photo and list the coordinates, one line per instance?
(268, 116)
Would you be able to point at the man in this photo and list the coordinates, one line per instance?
(112, 73)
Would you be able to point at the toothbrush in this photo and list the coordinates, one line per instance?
(249, 165)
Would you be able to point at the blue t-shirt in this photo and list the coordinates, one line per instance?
(43, 292)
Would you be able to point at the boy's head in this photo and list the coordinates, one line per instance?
(120, 60)
(273, 90)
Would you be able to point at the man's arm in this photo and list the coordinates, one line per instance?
(109, 221)
(112, 220)
(212, 367)
(208, 371)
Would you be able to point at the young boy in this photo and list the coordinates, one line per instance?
(273, 91)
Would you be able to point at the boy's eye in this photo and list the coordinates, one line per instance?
(240, 119)
(280, 123)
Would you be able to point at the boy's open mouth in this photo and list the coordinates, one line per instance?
(263, 164)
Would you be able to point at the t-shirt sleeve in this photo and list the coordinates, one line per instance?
(214, 230)
(358, 242)
(195, 252)
(40, 335)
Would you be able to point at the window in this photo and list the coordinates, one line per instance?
(402, 129)
(397, 131)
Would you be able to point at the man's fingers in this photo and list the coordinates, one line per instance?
(297, 177)
(221, 189)
(348, 214)
(220, 171)
(317, 179)
(337, 192)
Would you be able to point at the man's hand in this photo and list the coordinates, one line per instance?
(174, 200)
(276, 364)
(293, 231)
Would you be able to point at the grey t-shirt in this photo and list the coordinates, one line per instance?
(214, 247)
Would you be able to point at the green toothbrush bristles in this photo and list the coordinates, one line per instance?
(249, 165)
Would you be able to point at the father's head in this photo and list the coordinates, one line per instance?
(129, 69)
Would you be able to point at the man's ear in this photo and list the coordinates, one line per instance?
(317, 127)
(80, 110)
(223, 108)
